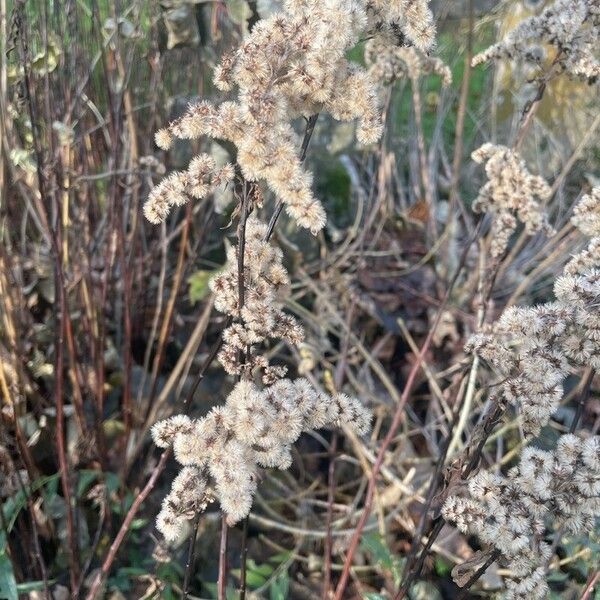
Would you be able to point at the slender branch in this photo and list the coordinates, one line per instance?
(222, 580)
(135, 505)
(460, 116)
(480, 436)
(310, 127)
(482, 569)
(190, 557)
(590, 584)
(243, 558)
(330, 497)
(339, 593)
(61, 314)
(582, 399)
(433, 485)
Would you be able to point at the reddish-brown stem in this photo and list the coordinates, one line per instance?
(590, 584)
(114, 547)
(482, 569)
(396, 419)
(166, 322)
(60, 315)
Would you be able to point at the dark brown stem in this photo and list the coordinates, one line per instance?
(330, 496)
(482, 569)
(222, 580)
(481, 434)
(243, 558)
(582, 399)
(60, 311)
(310, 127)
(532, 105)
(189, 565)
(433, 486)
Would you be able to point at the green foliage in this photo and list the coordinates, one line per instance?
(268, 573)
(198, 285)
(8, 584)
(376, 546)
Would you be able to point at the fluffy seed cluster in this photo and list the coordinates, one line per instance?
(201, 179)
(534, 348)
(509, 513)
(222, 452)
(510, 194)
(586, 217)
(261, 317)
(570, 27)
(293, 64)
(388, 61)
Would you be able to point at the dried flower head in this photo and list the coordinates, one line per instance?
(389, 61)
(222, 452)
(201, 179)
(570, 27)
(534, 348)
(293, 64)
(509, 513)
(510, 193)
(261, 317)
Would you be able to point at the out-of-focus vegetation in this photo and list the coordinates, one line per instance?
(106, 320)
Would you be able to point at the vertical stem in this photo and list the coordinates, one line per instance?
(330, 496)
(190, 557)
(484, 567)
(243, 558)
(460, 117)
(222, 581)
(396, 419)
(60, 316)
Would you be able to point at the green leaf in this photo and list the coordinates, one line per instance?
(279, 588)
(85, 479)
(254, 579)
(374, 596)
(265, 570)
(280, 557)
(32, 586)
(13, 505)
(138, 523)
(8, 583)
(198, 285)
(375, 545)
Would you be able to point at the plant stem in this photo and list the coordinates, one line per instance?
(114, 547)
(190, 557)
(222, 580)
(339, 593)
(484, 567)
(243, 558)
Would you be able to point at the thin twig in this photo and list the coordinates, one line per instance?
(310, 127)
(482, 569)
(222, 580)
(352, 546)
(190, 557)
(582, 398)
(135, 505)
(243, 558)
